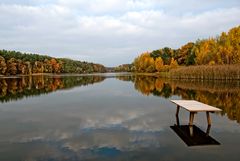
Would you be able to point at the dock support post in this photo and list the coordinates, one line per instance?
(208, 118)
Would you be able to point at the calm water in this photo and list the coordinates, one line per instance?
(108, 117)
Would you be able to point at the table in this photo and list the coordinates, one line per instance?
(193, 107)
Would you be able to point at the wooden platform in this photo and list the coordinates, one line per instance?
(193, 107)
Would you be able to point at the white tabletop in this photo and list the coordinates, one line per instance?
(195, 106)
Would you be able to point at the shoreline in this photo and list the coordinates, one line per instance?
(67, 74)
(164, 75)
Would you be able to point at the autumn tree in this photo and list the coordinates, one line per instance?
(12, 66)
(145, 63)
(206, 51)
(28, 67)
(124, 68)
(156, 53)
(173, 63)
(21, 66)
(159, 64)
(38, 67)
(225, 49)
(3, 65)
(47, 66)
(234, 38)
(183, 55)
(166, 56)
(55, 66)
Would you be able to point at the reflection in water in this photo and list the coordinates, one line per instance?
(222, 94)
(194, 136)
(17, 88)
(108, 121)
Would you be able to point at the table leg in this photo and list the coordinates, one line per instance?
(191, 130)
(177, 120)
(178, 107)
(208, 118)
(208, 130)
(191, 118)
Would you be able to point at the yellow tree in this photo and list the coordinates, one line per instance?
(206, 51)
(150, 67)
(159, 64)
(225, 49)
(136, 64)
(144, 63)
(234, 37)
(173, 63)
(3, 65)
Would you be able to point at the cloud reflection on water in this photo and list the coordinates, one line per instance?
(100, 124)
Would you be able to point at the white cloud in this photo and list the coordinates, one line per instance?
(106, 6)
(107, 31)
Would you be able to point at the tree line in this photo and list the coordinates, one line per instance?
(13, 63)
(220, 50)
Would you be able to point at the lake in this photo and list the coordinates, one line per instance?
(115, 117)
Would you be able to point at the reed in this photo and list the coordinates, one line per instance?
(207, 72)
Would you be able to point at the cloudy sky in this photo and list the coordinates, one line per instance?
(110, 32)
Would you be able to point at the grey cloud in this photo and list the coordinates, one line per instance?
(115, 33)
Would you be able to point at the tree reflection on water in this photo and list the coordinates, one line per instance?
(222, 94)
(17, 88)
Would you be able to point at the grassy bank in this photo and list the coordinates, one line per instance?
(207, 72)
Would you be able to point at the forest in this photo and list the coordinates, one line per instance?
(17, 63)
(220, 50)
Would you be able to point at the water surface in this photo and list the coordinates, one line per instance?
(114, 117)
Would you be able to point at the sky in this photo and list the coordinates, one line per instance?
(110, 32)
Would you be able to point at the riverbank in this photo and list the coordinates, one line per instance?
(207, 72)
(68, 74)
(200, 72)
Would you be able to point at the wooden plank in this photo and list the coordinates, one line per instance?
(195, 106)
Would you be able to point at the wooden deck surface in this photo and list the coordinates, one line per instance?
(195, 106)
